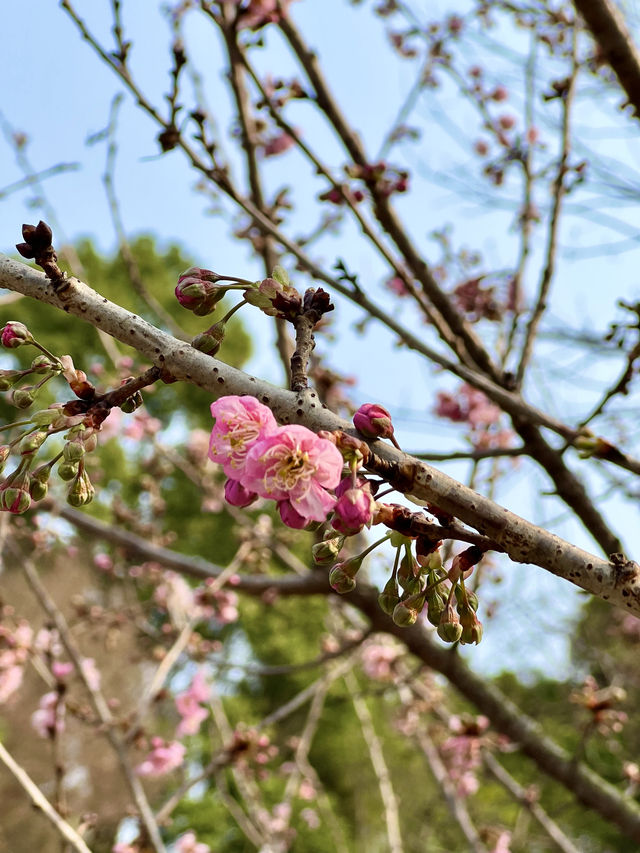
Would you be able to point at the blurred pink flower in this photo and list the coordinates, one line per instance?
(91, 673)
(164, 757)
(278, 144)
(49, 718)
(294, 464)
(10, 681)
(189, 705)
(187, 844)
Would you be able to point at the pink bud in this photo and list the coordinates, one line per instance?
(197, 290)
(353, 510)
(236, 494)
(373, 421)
(15, 334)
(290, 517)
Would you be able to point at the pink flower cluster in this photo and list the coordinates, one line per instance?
(164, 757)
(288, 464)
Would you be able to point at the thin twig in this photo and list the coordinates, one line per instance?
(40, 802)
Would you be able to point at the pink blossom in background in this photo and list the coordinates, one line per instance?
(239, 423)
(503, 844)
(198, 443)
(294, 464)
(307, 790)
(187, 844)
(260, 12)
(121, 847)
(91, 673)
(10, 681)
(311, 818)
(176, 596)
(49, 718)
(61, 670)
(278, 144)
(164, 757)
(103, 561)
(378, 659)
(189, 705)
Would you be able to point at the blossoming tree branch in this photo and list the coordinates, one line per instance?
(262, 634)
(291, 464)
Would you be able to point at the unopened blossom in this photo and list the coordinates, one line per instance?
(164, 757)
(236, 494)
(294, 464)
(290, 516)
(373, 420)
(198, 290)
(187, 843)
(278, 144)
(15, 334)
(61, 669)
(353, 510)
(239, 423)
(190, 707)
(49, 718)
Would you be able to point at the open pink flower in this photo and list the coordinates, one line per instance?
(239, 422)
(187, 843)
(189, 705)
(164, 757)
(294, 464)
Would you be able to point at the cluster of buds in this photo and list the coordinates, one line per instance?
(383, 178)
(198, 290)
(276, 296)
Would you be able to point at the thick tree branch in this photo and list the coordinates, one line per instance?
(608, 28)
(617, 582)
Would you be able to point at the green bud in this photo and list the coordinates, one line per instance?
(41, 365)
(134, 402)
(42, 473)
(7, 378)
(449, 629)
(22, 398)
(404, 616)
(340, 581)
(38, 490)
(435, 608)
(73, 451)
(389, 598)
(471, 600)
(209, 342)
(32, 442)
(81, 491)
(67, 470)
(15, 500)
(326, 552)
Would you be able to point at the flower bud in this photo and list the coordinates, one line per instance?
(353, 510)
(406, 612)
(209, 342)
(291, 517)
(37, 489)
(73, 451)
(342, 575)
(466, 598)
(7, 378)
(389, 598)
(197, 290)
(341, 582)
(81, 491)
(275, 296)
(32, 442)
(435, 608)
(449, 629)
(41, 365)
(326, 552)
(15, 334)
(5, 450)
(15, 500)
(22, 398)
(373, 421)
(236, 494)
(67, 470)
(45, 417)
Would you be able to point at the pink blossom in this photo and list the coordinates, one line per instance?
(294, 464)
(15, 334)
(91, 673)
(503, 843)
(236, 494)
(187, 844)
(239, 423)
(61, 670)
(278, 144)
(261, 12)
(378, 659)
(397, 285)
(176, 596)
(121, 847)
(103, 561)
(49, 718)
(164, 757)
(307, 790)
(189, 705)
(310, 817)
(10, 681)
